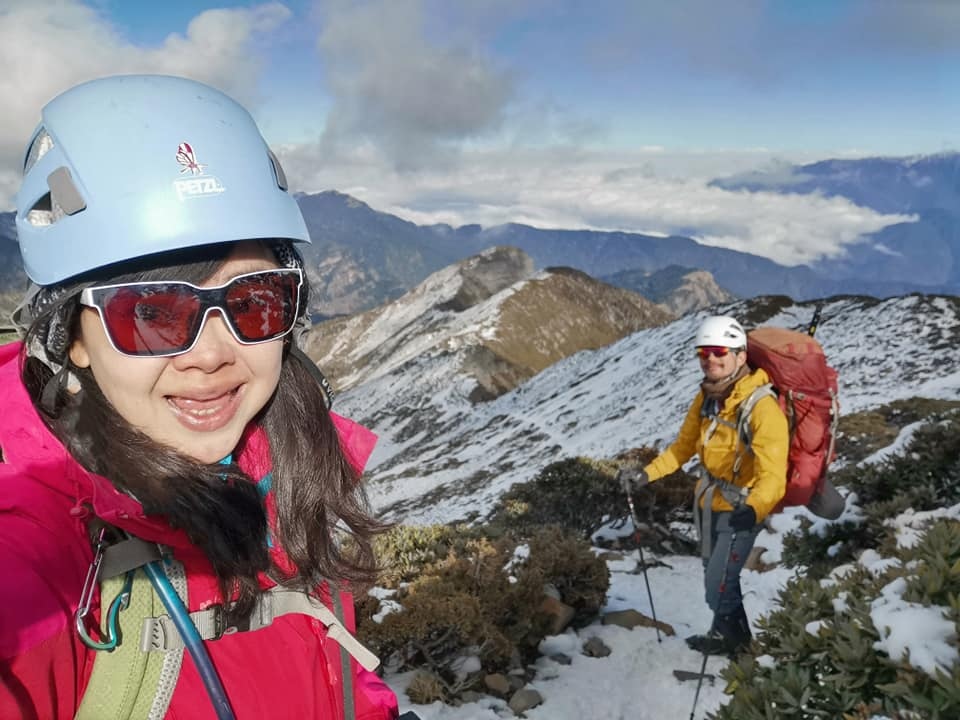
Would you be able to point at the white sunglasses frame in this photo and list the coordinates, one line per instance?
(87, 300)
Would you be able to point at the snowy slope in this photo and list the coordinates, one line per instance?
(442, 458)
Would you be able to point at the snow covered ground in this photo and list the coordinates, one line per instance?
(441, 458)
(636, 682)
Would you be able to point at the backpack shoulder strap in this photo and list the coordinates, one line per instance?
(746, 409)
(127, 682)
(346, 672)
(744, 433)
(158, 634)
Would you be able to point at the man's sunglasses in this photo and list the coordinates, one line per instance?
(705, 351)
(159, 319)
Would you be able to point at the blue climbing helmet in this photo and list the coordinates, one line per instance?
(131, 165)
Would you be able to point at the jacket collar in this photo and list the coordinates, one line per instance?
(746, 385)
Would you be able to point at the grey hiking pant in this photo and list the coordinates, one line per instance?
(723, 589)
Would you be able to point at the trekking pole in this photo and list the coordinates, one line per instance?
(713, 627)
(713, 624)
(815, 321)
(643, 564)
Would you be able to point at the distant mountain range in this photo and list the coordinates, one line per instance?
(926, 251)
(361, 258)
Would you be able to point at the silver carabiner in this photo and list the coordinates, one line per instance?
(90, 584)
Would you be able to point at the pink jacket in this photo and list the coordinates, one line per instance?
(287, 670)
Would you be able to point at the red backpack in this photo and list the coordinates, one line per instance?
(806, 388)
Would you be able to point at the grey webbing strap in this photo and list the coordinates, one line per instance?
(127, 555)
(172, 661)
(159, 633)
(703, 523)
(706, 489)
(349, 711)
(744, 433)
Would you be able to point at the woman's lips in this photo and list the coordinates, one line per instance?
(207, 414)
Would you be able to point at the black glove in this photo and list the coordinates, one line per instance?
(742, 518)
(631, 478)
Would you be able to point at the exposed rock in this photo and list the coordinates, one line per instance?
(497, 683)
(524, 699)
(561, 659)
(755, 560)
(595, 647)
(560, 614)
(631, 618)
(486, 274)
(611, 556)
(469, 696)
(677, 289)
(697, 290)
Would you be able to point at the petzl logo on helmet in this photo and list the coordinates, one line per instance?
(188, 158)
(198, 185)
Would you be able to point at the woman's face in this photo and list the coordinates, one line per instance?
(200, 401)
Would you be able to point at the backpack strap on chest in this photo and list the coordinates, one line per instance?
(744, 433)
(159, 635)
(125, 682)
(137, 680)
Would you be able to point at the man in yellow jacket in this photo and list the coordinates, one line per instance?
(739, 484)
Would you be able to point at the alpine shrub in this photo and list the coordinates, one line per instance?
(577, 493)
(582, 495)
(822, 643)
(464, 599)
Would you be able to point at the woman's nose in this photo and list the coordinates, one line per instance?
(216, 346)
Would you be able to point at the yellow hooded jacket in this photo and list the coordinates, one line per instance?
(764, 466)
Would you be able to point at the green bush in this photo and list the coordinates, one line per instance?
(837, 672)
(577, 493)
(465, 594)
(582, 495)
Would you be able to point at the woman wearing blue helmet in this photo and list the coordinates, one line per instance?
(181, 512)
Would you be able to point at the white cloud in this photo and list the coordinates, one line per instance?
(564, 187)
(48, 47)
(425, 124)
(413, 97)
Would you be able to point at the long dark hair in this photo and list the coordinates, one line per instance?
(325, 525)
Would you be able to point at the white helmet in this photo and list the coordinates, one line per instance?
(722, 331)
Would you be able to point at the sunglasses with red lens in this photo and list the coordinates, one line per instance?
(705, 351)
(160, 319)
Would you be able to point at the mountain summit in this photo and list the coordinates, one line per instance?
(489, 320)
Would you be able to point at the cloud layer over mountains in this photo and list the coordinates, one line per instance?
(408, 109)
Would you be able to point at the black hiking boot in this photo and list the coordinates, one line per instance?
(731, 636)
(712, 644)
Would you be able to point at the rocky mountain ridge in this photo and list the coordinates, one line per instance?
(679, 290)
(491, 320)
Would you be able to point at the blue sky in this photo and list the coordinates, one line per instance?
(829, 76)
(496, 110)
